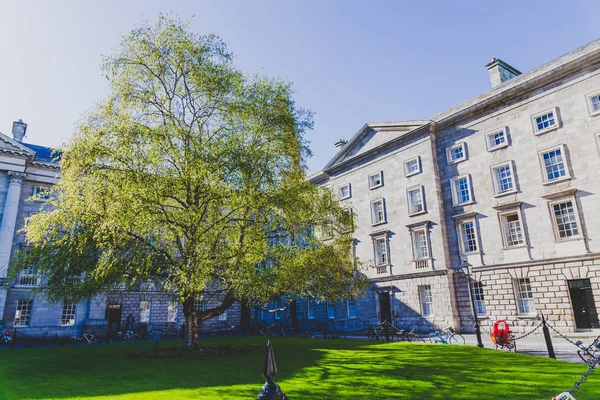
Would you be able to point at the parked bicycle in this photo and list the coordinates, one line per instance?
(446, 336)
(404, 335)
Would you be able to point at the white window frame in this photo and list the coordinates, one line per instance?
(478, 298)
(413, 232)
(416, 159)
(145, 312)
(172, 309)
(502, 220)
(459, 225)
(565, 162)
(379, 259)
(39, 188)
(573, 202)
(377, 185)
(310, 309)
(554, 111)
(488, 136)
(68, 315)
(378, 222)
(22, 310)
(330, 310)
(525, 305)
(588, 100)
(455, 193)
(28, 277)
(223, 315)
(496, 184)
(449, 153)
(597, 141)
(351, 305)
(340, 188)
(426, 300)
(421, 189)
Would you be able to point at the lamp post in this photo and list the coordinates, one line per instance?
(466, 268)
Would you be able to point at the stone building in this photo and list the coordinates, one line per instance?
(507, 182)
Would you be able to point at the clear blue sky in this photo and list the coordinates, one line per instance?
(351, 62)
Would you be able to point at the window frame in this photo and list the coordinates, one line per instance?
(488, 135)
(560, 200)
(349, 307)
(380, 184)
(223, 315)
(170, 305)
(409, 190)
(418, 170)
(19, 313)
(310, 309)
(449, 159)
(376, 257)
(478, 298)
(27, 275)
(461, 243)
(496, 184)
(41, 188)
(426, 305)
(144, 312)
(565, 161)
(349, 195)
(554, 111)
(413, 231)
(68, 306)
(521, 309)
(453, 181)
(501, 220)
(384, 220)
(588, 100)
(330, 309)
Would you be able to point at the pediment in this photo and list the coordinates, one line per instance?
(8, 144)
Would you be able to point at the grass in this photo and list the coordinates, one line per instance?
(308, 370)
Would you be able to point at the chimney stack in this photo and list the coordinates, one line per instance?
(18, 130)
(500, 72)
(339, 145)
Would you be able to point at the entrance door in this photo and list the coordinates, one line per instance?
(113, 312)
(584, 308)
(384, 307)
(245, 322)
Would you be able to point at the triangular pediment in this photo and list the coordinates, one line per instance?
(8, 144)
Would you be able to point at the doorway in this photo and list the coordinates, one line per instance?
(384, 307)
(245, 318)
(582, 300)
(113, 316)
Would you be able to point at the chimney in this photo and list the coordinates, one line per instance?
(339, 145)
(19, 129)
(500, 71)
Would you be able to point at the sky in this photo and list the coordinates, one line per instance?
(350, 62)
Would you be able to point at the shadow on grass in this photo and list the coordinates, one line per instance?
(308, 369)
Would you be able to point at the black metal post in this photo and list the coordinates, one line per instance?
(548, 338)
(477, 327)
(271, 390)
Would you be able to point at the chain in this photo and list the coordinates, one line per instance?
(484, 329)
(561, 335)
(528, 333)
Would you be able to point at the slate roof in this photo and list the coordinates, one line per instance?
(43, 153)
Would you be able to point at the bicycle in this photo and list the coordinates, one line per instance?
(447, 336)
(409, 336)
(374, 334)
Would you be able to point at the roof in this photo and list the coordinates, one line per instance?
(43, 153)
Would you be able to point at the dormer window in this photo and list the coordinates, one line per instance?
(376, 180)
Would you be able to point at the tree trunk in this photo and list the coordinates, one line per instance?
(190, 338)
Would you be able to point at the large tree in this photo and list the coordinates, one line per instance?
(191, 175)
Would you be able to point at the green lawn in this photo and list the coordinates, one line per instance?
(308, 370)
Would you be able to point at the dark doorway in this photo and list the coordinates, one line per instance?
(384, 307)
(584, 308)
(245, 322)
(113, 316)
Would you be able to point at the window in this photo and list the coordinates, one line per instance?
(172, 311)
(468, 237)
(263, 314)
(412, 167)
(376, 180)
(553, 164)
(311, 309)
(594, 103)
(416, 204)
(330, 310)
(511, 229)
(524, 296)
(503, 177)
(200, 305)
(41, 191)
(496, 139)
(23, 312)
(68, 314)
(420, 244)
(377, 212)
(28, 276)
(545, 121)
(381, 255)
(426, 300)
(565, 219)
(351, 308)
(144, 311)
(223, 316)
(477, 293)
(344, 192)
(456, 153)
(276, 306)
(461, 190)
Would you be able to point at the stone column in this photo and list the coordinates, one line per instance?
(9, 219)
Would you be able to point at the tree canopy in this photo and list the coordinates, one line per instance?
(191, 175)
